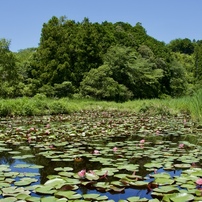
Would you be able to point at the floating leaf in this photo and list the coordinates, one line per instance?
(91, 176)
(54, 182)
(45, 190)
(179, 197)
(166, 189)
(91, 196)
(68, 194)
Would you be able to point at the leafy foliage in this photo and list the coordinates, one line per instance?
(70, 53)
(99, 84)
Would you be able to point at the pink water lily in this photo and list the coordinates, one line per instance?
(32, 129)
(199, 181)
(142, 141)
(181, 145)
(157, 132)
(29, 139)
(115, 149)
(82, 173)
(96, 151)
(48, 125)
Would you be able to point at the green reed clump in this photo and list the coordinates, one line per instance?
(196, 105)
(41, 105)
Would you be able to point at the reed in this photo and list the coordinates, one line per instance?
(41, 105)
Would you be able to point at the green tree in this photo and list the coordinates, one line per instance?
(182, 46)
(8, 70)
(178, 82)
(188, 64)
(198, 61)
(140, 75)
(99, 84)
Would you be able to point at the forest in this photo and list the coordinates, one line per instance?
(106, 61)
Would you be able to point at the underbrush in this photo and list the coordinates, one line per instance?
(41, 105)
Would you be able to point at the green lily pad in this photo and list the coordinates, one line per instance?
(25, 181)
(54, 182)
(166, 189)
(45, 190)
(32, 199)
(91, 176)
(139, 183)
(153, 165)
(179, 197)
(22, 166)
(49, 199)
(8, 199)
(164, 181)
(183, 165)
(71, 195)
(91, 196)
(36, 166)
(133, 198)
(14, 191)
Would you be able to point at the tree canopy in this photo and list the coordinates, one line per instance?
(107, 61)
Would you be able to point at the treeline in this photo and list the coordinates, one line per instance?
(107, 61)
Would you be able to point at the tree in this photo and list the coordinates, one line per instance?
(187, 62)
(140, 75)
(99, 84)
(178, 82)
(198, 60)
(8, 70)
(182, 46)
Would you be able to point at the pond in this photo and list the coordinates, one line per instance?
(100, 156)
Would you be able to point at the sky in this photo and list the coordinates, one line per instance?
(21, 21)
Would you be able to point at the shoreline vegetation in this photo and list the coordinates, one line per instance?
(41, 105)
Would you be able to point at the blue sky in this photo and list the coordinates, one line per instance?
(22, 20)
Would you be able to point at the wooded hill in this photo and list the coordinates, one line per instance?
(107, 61)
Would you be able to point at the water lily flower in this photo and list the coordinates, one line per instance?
(157, 132)
(142, 141)
(32, 129)
(51, 147)
(181, 145)
(29, 139)
(115, 149)
(199, 181)
(82, 173)
(48, 125)
(47, 132)
(96, 152)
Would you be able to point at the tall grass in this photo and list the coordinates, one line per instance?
(41, 105)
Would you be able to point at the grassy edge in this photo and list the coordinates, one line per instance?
(40, 105)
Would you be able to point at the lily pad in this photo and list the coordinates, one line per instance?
(179, 197)
(91, 196)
